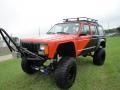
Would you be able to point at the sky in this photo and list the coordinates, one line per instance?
(24, 18)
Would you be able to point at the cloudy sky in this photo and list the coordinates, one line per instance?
(25, 17)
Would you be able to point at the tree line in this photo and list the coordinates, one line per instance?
(113, 31)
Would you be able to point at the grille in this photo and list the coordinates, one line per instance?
(31, 47)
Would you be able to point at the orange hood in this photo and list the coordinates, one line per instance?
(49, 37)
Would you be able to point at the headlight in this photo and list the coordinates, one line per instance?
(43, 49)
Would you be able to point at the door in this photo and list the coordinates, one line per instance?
(95, 36)
(83, 39)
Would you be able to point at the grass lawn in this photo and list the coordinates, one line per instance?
(89, 76)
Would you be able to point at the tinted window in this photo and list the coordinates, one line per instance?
(94, 30)
(86, 29)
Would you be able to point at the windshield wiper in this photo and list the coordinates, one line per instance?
(62, 33)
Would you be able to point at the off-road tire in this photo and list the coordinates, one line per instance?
(99, 56)
(27, 67)
(65, 72)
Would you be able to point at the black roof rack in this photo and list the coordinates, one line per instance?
(80, 19)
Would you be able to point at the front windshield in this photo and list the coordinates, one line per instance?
(66, 28)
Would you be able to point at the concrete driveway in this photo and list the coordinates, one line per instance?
(6, 57)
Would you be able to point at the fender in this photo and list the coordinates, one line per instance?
(54, 46)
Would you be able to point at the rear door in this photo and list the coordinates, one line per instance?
(95, 36)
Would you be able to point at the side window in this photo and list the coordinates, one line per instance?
(101, 32)
(94, 30)
(86, 29)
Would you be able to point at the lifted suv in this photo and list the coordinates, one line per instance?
(61, 45)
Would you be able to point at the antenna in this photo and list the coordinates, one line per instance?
(39, 31)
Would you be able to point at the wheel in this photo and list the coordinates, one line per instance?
(99, 57)
(27, 67)
(65, 72)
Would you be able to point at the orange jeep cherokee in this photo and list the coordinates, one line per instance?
(57, 50)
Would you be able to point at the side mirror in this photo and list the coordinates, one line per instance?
(83, 34)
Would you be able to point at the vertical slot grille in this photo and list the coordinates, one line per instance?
(31, 46)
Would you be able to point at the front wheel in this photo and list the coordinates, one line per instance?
(27, 67)
(65, 72)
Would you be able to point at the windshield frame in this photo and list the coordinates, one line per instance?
(65, 32)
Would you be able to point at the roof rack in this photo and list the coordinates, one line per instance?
(80, 19)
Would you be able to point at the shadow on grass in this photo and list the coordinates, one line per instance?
(41, 81)
(83, 64)
(84, 61)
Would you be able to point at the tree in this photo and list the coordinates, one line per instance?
(118, 29)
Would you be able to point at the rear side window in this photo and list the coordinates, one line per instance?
(94, 30)
(86, 29)
(100, 30)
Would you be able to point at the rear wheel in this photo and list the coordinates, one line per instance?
(65, 72)
(27, 67)
(99, 56)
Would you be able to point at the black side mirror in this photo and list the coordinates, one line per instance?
(83, 34)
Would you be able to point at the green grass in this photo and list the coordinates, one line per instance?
(89, 76)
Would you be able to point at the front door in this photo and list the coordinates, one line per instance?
(83, 39)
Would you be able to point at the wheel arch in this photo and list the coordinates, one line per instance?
(67, 49)
(103, 43)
